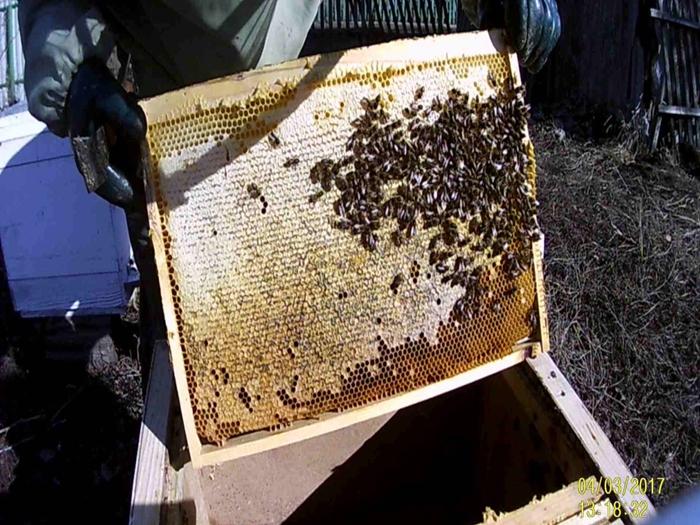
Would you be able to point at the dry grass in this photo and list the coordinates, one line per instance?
(623, 264)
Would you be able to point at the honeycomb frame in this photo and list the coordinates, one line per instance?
(359, 67)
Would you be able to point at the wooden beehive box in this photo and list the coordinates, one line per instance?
(298, 299)
(517, 448)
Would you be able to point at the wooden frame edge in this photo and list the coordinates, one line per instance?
(515, 70)
(537, 246)
(151, 463)
(450, 46)
(589, 433)
(176, 355)
(554, 507)
(541, 298)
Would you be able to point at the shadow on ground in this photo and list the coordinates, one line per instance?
(67, 438)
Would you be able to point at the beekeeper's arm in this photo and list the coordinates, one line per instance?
(66, 45)
(533, 26)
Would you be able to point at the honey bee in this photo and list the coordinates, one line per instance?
(419, 93)
(273, 140)
(398, 280)
(532, 319)
(253, 190)
(369, 240)
(315, 197)
(491, 81)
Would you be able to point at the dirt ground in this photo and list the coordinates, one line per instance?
(68, 437)
(622, 262)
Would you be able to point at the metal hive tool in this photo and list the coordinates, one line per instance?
(285, 322)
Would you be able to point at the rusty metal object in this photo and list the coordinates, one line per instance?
(92, 158)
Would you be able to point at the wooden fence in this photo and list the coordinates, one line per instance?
(389, 16)
(11, 59)
(598, 66)
(343, 24)
(676, 112)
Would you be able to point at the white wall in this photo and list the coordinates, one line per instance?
(65, 250)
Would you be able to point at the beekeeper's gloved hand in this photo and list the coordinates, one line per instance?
(106, 127)
(533, 27)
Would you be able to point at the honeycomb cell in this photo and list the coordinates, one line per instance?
(279, 316)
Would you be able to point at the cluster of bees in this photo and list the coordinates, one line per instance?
(255, 193)
(457, 167)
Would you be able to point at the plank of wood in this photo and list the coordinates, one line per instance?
(591, 515)
(543, 322)
(690, 80)
(552, 508)
(684, 79)
(664, 57)
(587, 430)
(195, 511)
(679, 111)
(677, 79)
(673, 90)
(173, 513)
(658, 119)
(148, 490)
(256, 442)
(691, 12)
(666, 17)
